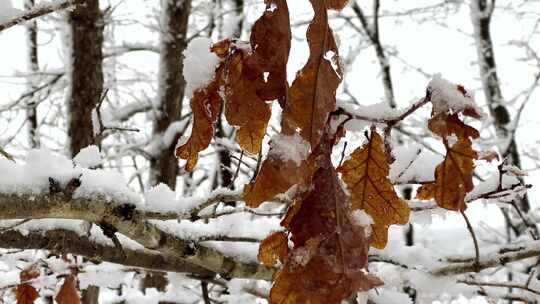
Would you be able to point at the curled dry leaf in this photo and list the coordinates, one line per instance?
(311, 99)
(327, 263)
(25, 294)
(247, 77)
(205, 104)
(246, 88)
(244, 108)
(366, 175)
(273, 249)
(312, 94)
(68, 292)
(453, 177)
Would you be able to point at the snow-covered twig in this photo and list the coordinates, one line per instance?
(38, 11)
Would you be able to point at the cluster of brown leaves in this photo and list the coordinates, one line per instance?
(25, 293)
(247, 77)
(323, 250)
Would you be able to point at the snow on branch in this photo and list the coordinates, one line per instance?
(63, 241)
(37, 11)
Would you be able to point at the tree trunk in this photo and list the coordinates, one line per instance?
(481, 11)
(33, 68)
(164, 167)
(86, 73)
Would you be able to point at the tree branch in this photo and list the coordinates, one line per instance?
(38, 11)
(131, 223)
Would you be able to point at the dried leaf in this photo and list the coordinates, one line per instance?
(336, 4)
(328, 261)
(453, 177)
(205, 105)
(246, 88)
(244, 108)
(68, 292)
(273, 249)
(25, 294)
(29, 273)
(276, 176)
(271, 30)
(312, 94)
(366, 176)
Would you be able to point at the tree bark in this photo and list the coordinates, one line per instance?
(164, 167)
(33, 68)
(86, 22)
(481, 12)
(86, 73)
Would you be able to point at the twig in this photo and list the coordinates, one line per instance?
(38, 11)
(473, 235)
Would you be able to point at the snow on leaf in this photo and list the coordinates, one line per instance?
(450, 98)
(205, 104)
(68, 292)
(366, 175)
(453, 177)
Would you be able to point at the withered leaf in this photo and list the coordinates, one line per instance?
(312, 94)
(273, 248)
(68, 292)
(328, 261)
(453, 177)
(29, 273)
(336, 4)
(271, 30)
(243, 107)
(275, 176)
(366, 176)
(25, 294)
(205, 104)
(246, 88)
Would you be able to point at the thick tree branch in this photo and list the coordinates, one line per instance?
(64, 241)
(131, 223)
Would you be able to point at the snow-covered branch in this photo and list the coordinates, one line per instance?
(131, 223)
(38, 11)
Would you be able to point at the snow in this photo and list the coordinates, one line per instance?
(199, 64)
(88, 157)
(361, 218)
(32, 177)
(290, 147)
(7, 12)
(447, 98)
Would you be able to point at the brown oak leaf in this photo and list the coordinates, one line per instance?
(68, 292)
(312, 94)
(273, 248)
(205, 104)
(366, 175)
(244, 108)
(25, 294)
(327, 263)
(453, 177)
